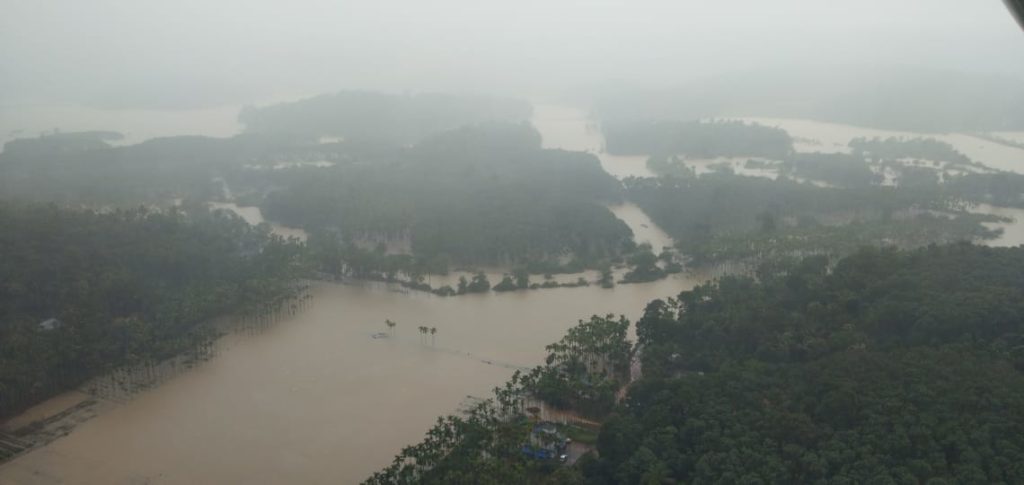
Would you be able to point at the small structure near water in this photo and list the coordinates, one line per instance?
(546, 442)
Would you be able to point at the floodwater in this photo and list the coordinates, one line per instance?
(254, 216)
(1012, 136)
(136, 125)
(29, 120)
(316, 399)
(738, 165)
(1013, 232)
(644, 229)
(834, 137)
(571, 128)
(819, 136)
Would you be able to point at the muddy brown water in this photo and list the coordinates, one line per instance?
(571, 128)
(316, 399)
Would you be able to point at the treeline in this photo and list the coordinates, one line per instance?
(482, 194)
(1002, 188)
(915, 161)
(906, 192)
(917, 148)
(835, 169)
(486, 193)
(722, 216)
(82, 168)
(697, 139)
(896, 367)
(83, 292)
(377, 117)
(485, 444)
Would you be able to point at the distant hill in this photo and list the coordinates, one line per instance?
(919, 100)
(377, 117)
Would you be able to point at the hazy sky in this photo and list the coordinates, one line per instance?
(193, 53)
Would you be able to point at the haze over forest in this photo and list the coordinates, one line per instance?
(600, 242)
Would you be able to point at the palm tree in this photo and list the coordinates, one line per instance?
(423, 332)
(433, 330)
(391, 326)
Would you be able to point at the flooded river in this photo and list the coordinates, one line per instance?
(316, 399)
(254, 216)
(1013, 231)
(570, 128)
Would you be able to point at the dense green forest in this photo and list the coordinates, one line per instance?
(887, 366)
(1002, 188)
(126, 287)
(486, 193)
(897, 367)
(482, 194)
(82, 168)
(376, 117)
(721, 216)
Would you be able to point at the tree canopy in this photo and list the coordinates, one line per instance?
(697, 139)
(482, 194)
(898, 367)
(378, 117)
(124, 287)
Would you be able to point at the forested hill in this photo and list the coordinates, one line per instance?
(368, 116)
(82, 168)
(698, 139)
(891, 367)
(127, 287)
(726, 217)
(481, 194)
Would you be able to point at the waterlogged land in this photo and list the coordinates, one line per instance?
(314, 397)
(820, 136)
(1013, 231)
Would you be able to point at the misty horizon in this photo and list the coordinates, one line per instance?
(190, 55)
